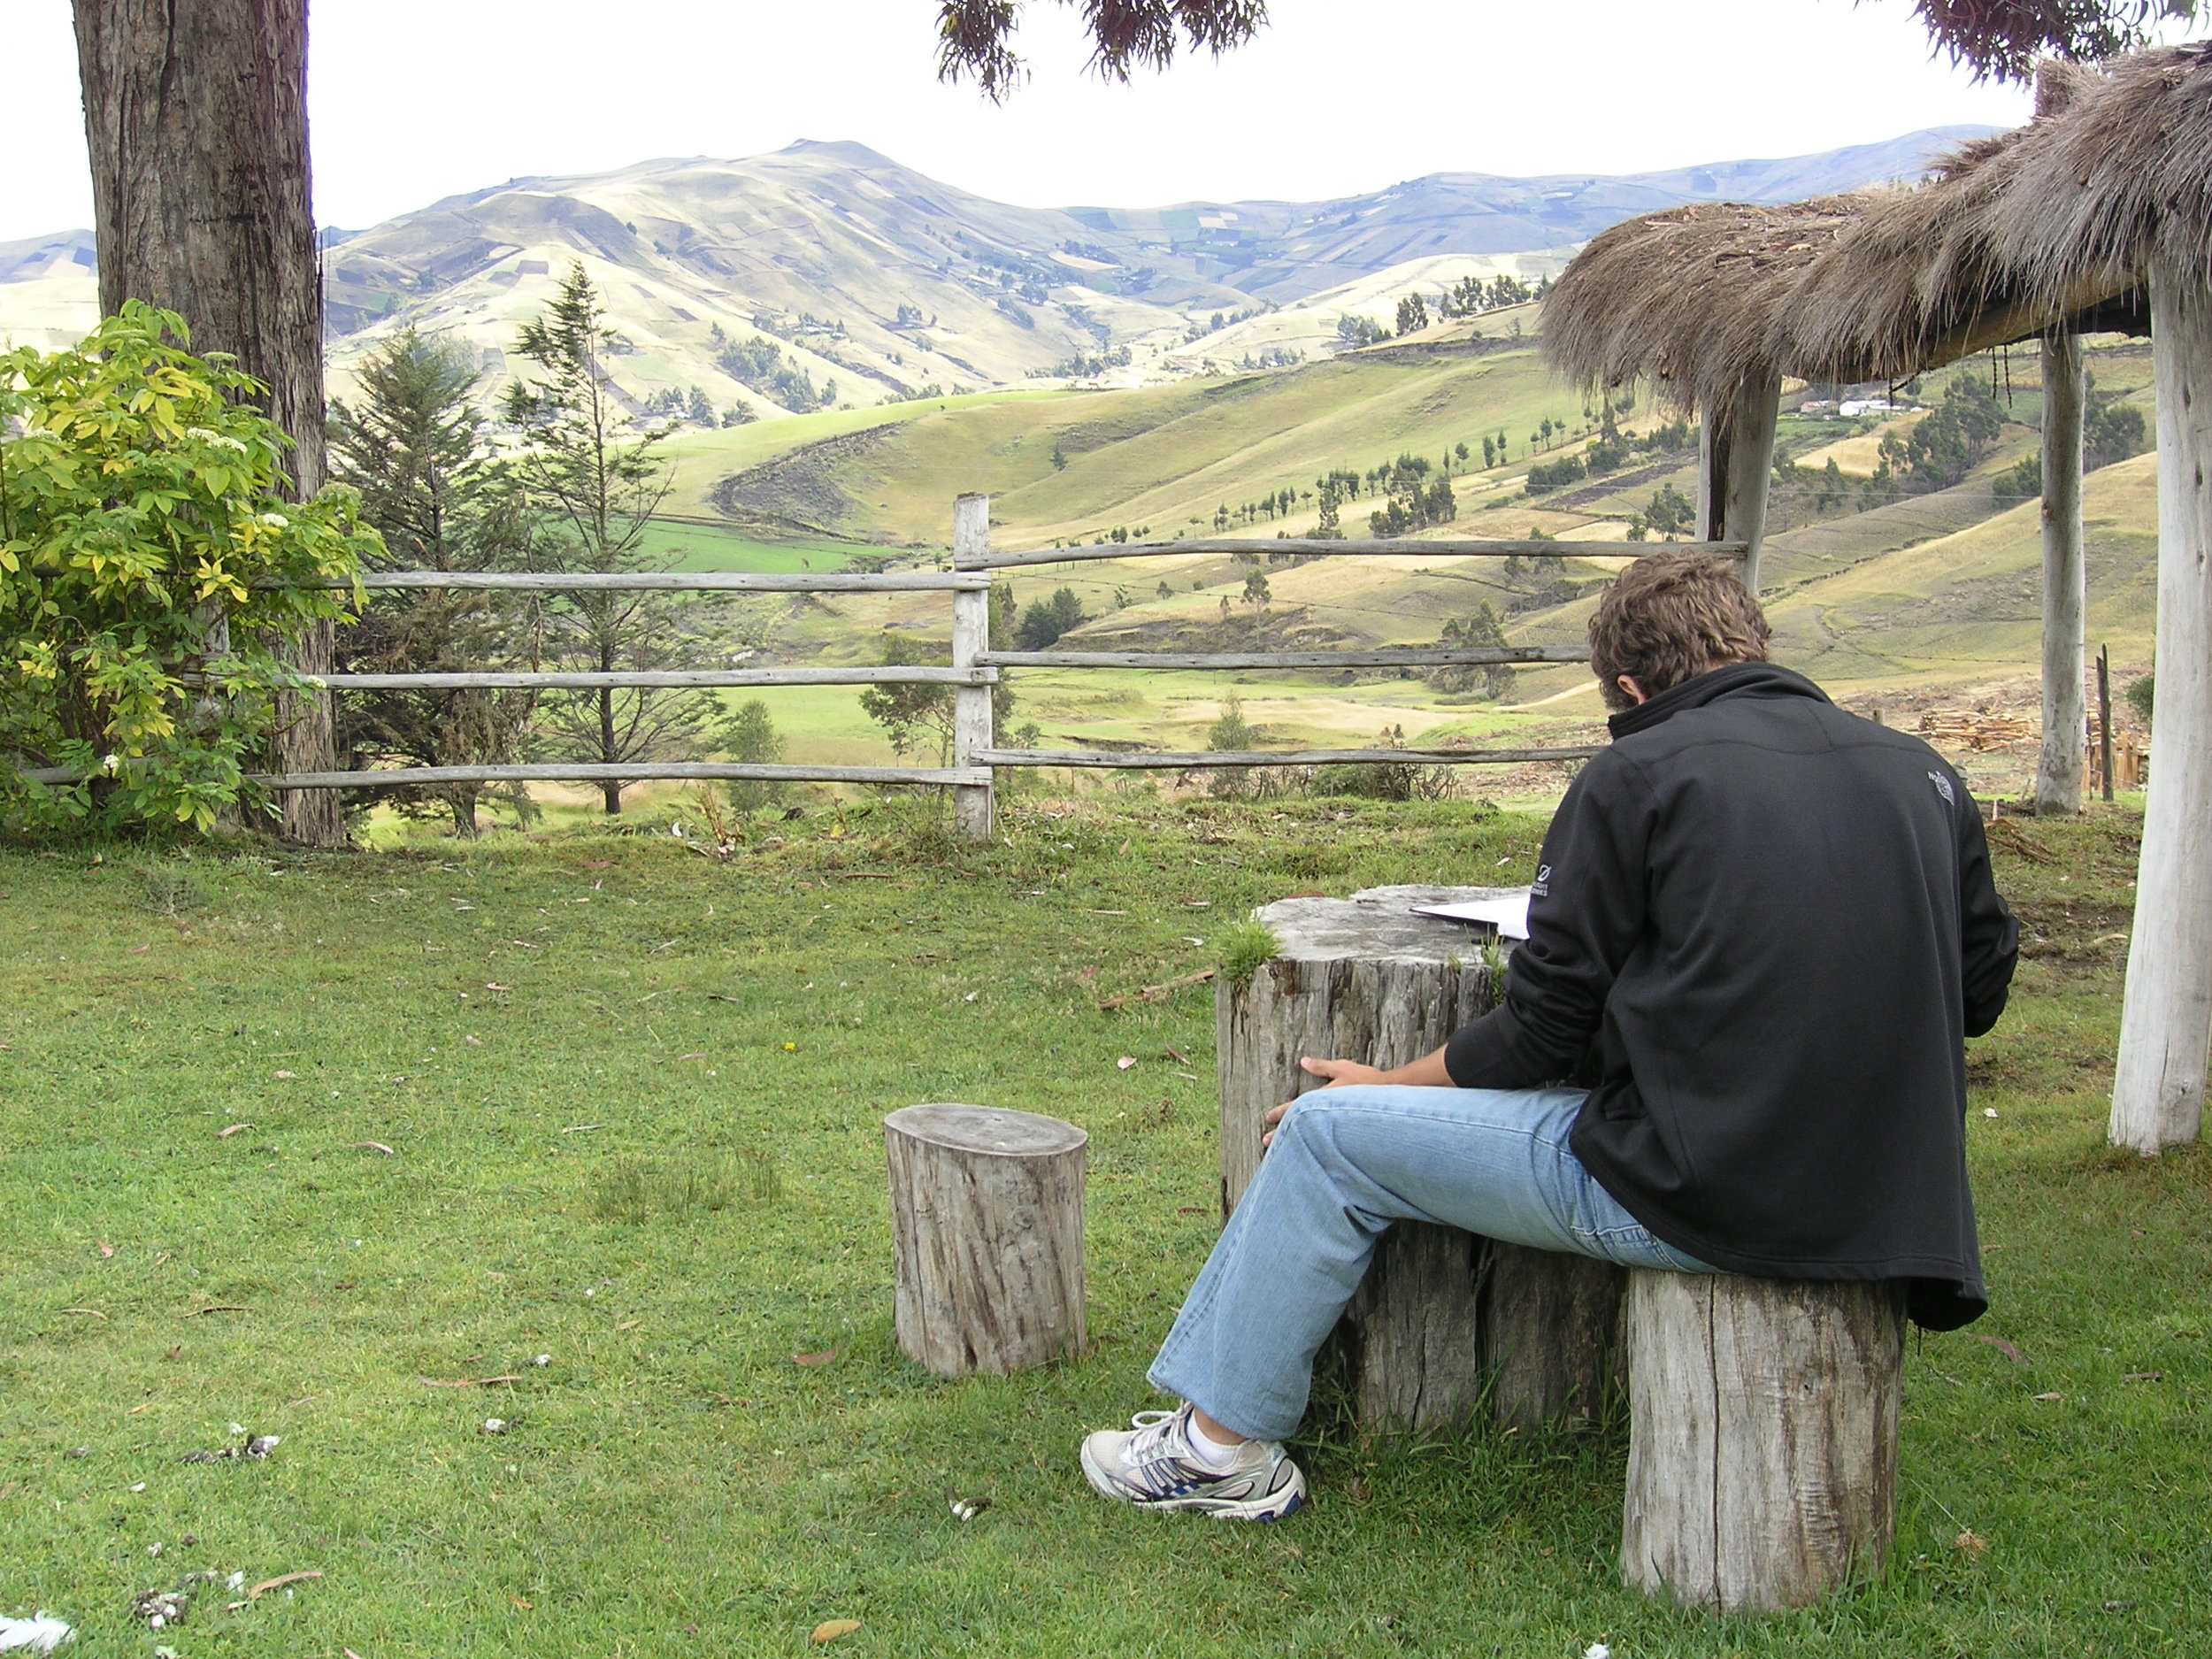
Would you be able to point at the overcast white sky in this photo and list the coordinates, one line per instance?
(411, 100)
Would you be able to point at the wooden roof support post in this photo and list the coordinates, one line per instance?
(2058, 772)
(1735, 466)
(972, 805)
(2166, 1022)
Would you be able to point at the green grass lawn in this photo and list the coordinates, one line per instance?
(632, 1101)
(675, 545)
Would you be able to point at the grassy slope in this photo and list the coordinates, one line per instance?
(674, 1483)
(1932, 591)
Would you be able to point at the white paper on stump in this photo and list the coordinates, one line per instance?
(1508, 914)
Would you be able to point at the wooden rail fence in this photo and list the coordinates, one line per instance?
(975, 669)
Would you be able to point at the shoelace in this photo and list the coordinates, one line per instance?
(1159, 1456)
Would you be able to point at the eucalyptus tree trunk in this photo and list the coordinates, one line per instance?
(2065, 582)
(195, 115)
(2166, 1016)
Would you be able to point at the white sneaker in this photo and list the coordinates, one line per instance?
(1153, 1466)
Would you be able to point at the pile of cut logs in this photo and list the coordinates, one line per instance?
(1970, 728)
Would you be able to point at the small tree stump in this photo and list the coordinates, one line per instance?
(1364, 977)
(986, 1233)
(1762, 1459)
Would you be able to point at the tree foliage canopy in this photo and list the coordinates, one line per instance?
(975, 37)
(2003, 38)
(1999, 39)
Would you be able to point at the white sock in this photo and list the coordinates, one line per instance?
(1216, 1455)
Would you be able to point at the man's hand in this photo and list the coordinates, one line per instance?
(1340, 1073)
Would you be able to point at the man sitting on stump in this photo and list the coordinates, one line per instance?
(1768, 924)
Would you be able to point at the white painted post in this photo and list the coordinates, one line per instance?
(974, 804)
(2065, 583)
(1735, 466)
(2166, 1021)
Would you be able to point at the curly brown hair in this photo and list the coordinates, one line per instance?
(1671, 618)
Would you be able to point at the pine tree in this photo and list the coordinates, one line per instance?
(597, 491)
(414, 447)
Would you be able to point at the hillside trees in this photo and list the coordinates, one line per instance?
(758, 363)
(1481, 629)
(414, 448)
(1413, 500)
(595, 493)
(1413, 313)
(1045, 620)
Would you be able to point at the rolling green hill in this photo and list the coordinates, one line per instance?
(1929, 599)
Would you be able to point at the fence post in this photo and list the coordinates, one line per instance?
(974, 804)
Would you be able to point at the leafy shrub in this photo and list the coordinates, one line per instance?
(2142, 696)
(750, 739)
(150, 573)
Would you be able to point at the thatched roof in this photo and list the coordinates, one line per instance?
(1687, 299)
(2057, 221)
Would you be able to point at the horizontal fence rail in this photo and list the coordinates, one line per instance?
(1151, 760)
(672, 680)
(989, 561)
(677, 582)
(584, 771)
(1417, 657)
(974, 671)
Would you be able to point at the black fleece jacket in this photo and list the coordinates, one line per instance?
(1775, 923)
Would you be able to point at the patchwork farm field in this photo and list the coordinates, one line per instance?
(580, 1133)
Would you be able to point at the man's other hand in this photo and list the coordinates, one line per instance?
(1340, 1074)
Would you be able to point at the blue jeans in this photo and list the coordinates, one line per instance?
(1345, 1164)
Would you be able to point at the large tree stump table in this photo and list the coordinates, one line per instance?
(987, 1235)
(1763, 1451)
(1442, 1315)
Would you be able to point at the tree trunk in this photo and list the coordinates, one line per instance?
(1763, 1462)
(2065, 583)
(610, 794)
(196, 116)
(986, 1231)
(2166, 1022)
(1366, 979)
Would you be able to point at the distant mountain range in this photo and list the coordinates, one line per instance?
(826, 273)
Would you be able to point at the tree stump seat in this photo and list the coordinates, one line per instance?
(1763, 1452)
(1444, 1319)
(986, 1234)
(1764, 1413)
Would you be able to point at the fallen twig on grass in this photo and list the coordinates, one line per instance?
(267, 1584)
(2007, 835)
(221, 1307)
(374, 1146)
(1154, 993)
(2003, 1346)
(467, 1382)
